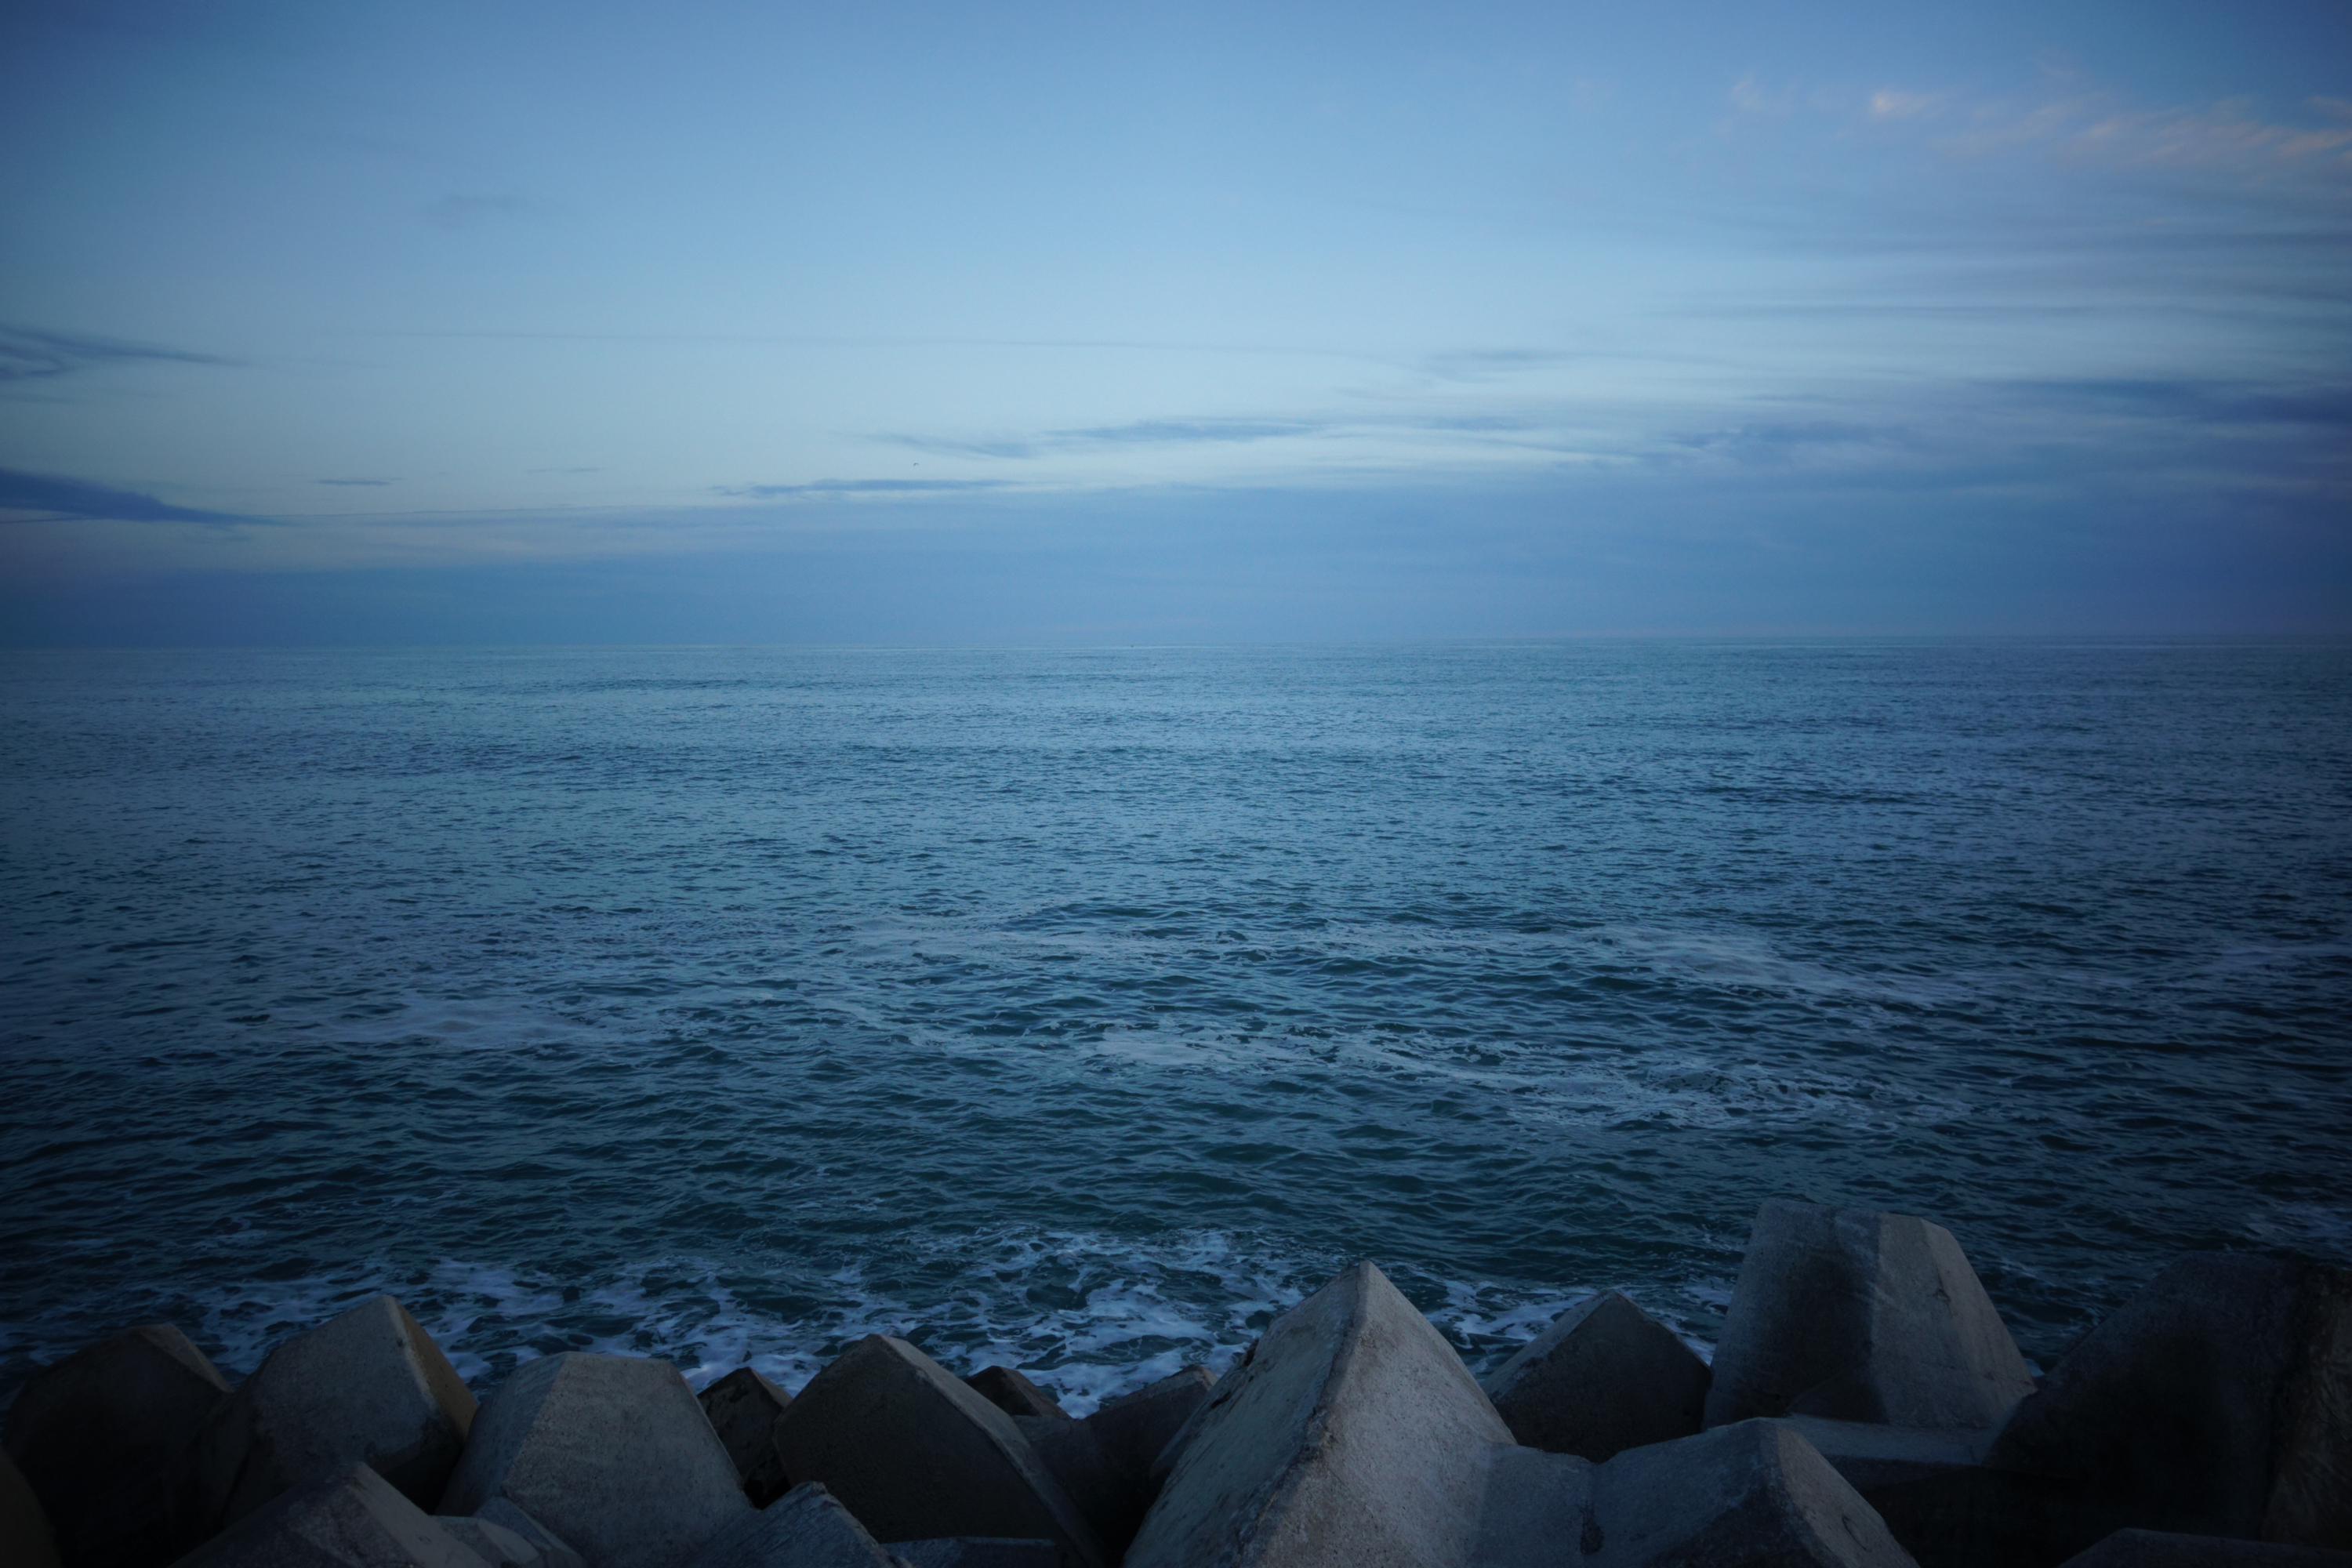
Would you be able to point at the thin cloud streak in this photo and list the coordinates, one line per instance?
(1187, 432)
(853, 487)
(29, 353)
(1207, 431)
(46, 498)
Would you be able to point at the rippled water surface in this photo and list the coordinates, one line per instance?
(1079, 1009)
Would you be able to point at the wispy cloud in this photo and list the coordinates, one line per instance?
(2094, 128)
(851, 486)
(1474, 423)
(1777, 443)
(1749, 96)
(45, 498)
(28, 354)
(2197, 402)
(1137, 433)
(2074, 122)
(945, 446)
(1210, 432)
(1187, 432)
(371, 482)
(1492, 365)
(1893, 103)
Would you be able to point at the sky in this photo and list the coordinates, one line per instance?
(521, 321)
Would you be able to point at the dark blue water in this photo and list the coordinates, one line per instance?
(1079, 1009)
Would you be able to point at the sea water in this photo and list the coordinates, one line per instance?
(1080, 1009)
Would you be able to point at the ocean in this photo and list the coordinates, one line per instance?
(1079, 1009)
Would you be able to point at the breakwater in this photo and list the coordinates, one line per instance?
(1866, 1406)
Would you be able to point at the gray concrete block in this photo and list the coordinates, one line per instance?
(25, 1539)
(95, 1437)
(1752, 1493)
(1106, 1463)
(1352, 1436)
(493, 1543)
(369, 1386)
(976, 1552)
(1010, 1391)
(1931, 1486)
(1165, 1460)
(743, 1407)
(807, 1528)
(1073, 1455)
(611, 1453)
(916, 1454)
(1857, 1316)
(554, 1551)
(1179, 1440)
(1606, 1375)
(2218, 1401)
(1534, 1508)
(1965, 1517)
(1869, 1456)
(1136, 1428)
(351, 1518)
(1755, 1493)
(2158, 1548)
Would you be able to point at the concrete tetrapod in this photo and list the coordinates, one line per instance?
(976, 1552)
(96, 1435)
(1743, 1495)
(807, 1528)
(1353, 1434)
(2217, 1401)
(743, 1407)
(611, 1453)
(1535, 1509)
(2157, 1549)
(1871, 1457)
(1929, 1485)
(25, 1539)
(916, 1454)
(552, 1549)
(1073, 1453)
(1129, 1433)
(351, 1518)
(493, 1543)
(1010, 1391)
(1859, 1316)
(1135, 1426)
(1606, 1375)
(369, 1386)
(1104, 1461)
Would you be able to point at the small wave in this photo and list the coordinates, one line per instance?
(1087, 1317)
(2313, 1229)
(1721, 960)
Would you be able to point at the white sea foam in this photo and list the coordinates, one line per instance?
(1128, 1312)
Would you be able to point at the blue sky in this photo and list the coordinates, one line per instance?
(589, 323)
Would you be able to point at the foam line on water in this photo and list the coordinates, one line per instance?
(1088, 1318)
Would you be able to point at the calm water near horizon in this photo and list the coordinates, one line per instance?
(1079, 1009)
